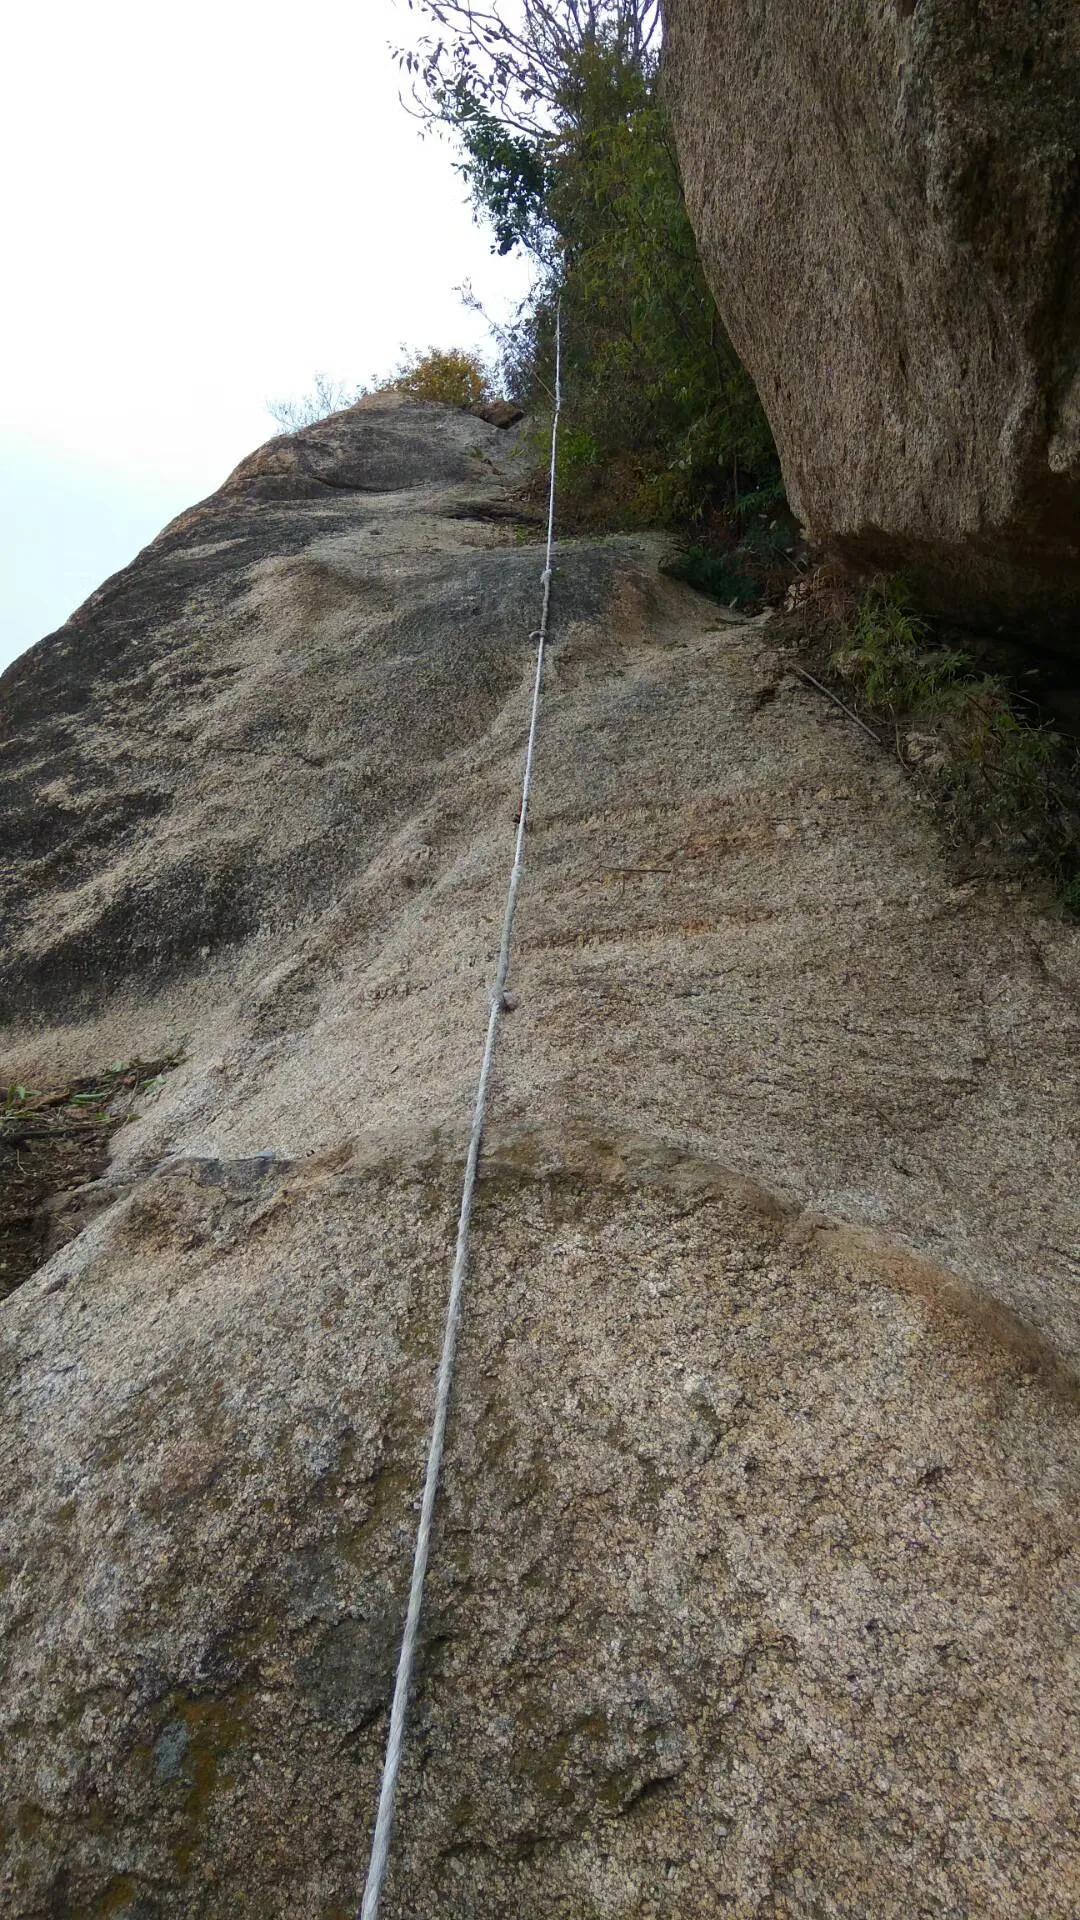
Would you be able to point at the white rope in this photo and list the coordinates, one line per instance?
(380, 1845)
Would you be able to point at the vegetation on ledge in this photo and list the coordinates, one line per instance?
(1002, 774)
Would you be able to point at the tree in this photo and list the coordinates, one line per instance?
(327, 396)
(523, 65)
(558, 111)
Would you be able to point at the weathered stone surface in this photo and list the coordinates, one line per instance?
(751, 1589)
(500, 413)
(886, 195)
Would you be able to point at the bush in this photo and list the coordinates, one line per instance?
(888, 656)
(1002, 781)
(452, 376)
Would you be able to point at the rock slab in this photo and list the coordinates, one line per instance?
(752, 1591)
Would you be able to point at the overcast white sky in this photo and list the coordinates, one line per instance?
(204, 206)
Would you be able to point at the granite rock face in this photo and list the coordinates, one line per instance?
(751, 1584)
(886, 195)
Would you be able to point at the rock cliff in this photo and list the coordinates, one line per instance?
(751, 1583)
(886, 195)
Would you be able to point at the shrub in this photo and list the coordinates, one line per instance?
(888, 656)
(452, 376)
(1001, 779)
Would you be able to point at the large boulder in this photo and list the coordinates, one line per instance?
(886, 196)
(749, 1592)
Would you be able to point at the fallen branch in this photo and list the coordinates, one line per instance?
(837, 702)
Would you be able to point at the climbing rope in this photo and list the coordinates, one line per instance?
(384, 1819)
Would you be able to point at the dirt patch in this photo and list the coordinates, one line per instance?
(53, 1143)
